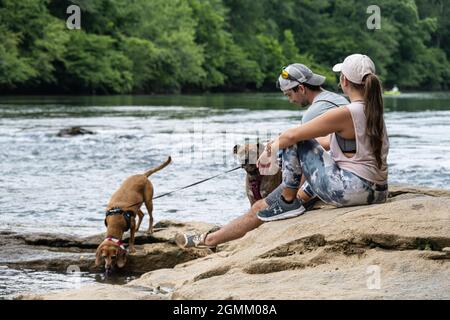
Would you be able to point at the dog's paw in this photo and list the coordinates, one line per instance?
(132, 250)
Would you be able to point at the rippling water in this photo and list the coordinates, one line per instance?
(59, 184)
(14, 282)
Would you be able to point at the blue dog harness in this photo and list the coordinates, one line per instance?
(126, 214)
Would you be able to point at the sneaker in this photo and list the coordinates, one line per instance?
(282, 210)
(185, 241)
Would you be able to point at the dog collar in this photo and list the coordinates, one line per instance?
(118, 242)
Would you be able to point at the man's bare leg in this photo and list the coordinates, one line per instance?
(238, 227)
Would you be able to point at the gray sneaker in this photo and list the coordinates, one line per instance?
(185, 241)
(282, 210)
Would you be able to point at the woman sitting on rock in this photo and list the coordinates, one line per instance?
(354, 172)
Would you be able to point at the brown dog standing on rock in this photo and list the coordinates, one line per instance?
(121, 213)
(257, 186)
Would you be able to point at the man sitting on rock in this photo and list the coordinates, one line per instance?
(302, 87)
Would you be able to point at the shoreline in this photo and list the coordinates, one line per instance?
(199, 94)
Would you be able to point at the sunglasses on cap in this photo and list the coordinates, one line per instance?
(285, 75)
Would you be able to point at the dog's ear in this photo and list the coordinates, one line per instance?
(259, 147)
(121, 259)
(97, 255)
(236, 148)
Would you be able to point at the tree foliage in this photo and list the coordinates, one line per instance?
(145, 46)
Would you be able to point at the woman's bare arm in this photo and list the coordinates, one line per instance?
(334, 120)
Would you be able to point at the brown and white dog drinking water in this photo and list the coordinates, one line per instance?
(257, 186)
(121, 213)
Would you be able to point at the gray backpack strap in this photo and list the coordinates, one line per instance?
(346, 145)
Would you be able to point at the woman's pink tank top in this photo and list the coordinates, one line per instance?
(363, 163)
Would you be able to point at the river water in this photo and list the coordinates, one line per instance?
(62, 184)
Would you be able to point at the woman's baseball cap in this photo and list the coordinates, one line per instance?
(297, 73)
(355, 67)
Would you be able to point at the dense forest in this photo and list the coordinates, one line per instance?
(153, 46)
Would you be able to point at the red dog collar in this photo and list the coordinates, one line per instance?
(118, 242)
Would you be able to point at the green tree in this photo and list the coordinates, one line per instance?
(196, 45)
(14, 69)
(33, 41)
(94, 64)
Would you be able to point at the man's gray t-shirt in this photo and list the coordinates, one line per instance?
(318, 106)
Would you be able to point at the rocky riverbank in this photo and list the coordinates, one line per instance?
(56, 252)
(396, 250)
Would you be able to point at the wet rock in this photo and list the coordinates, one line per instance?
(73, 131)
(60, 240)
(58, 252)
(127, 137)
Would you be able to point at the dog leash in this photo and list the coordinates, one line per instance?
(196, 183)
(191, 185)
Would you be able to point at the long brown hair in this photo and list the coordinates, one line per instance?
(374, 111)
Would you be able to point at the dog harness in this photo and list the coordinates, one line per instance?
(118, 242)
(255, 185)
(126, 214)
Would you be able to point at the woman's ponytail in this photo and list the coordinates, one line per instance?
(374, 110)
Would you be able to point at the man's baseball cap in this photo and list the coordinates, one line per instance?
(355, 67)
(297, 73)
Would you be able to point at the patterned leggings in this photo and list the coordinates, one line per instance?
(324, 178)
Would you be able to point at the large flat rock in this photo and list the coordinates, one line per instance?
(326, 253)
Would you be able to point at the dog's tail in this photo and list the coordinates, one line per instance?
(161, 166)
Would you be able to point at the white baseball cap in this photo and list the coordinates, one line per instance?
(297, 73)
(355, 67)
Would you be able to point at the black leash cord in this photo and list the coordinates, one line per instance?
(191, 185)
